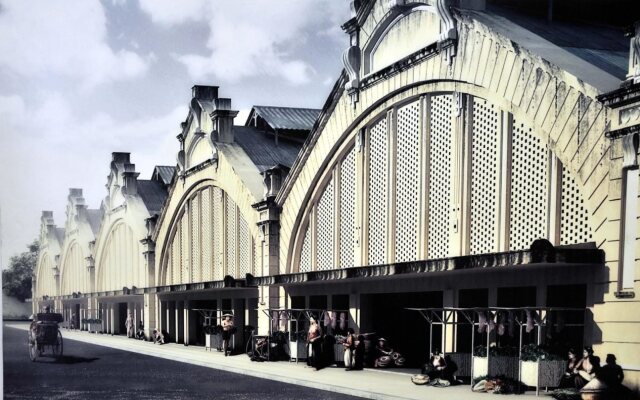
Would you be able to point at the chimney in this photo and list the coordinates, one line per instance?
(130, 180)
(204, 92)
(223, 117)
(120, 158)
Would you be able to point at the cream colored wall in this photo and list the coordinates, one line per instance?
(564, 114)
(45, 280)
(73, 273)
(221, 175)
(118, 254)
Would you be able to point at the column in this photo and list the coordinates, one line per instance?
(179, 312)
(628, 216)
(186, 323)
(150, 318)
(460, 175)
(449, 299)
(239, 321)
(354, 311)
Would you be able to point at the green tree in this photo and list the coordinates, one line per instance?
(16, 280)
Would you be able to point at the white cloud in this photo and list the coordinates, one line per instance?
(41, 157)
(252, 38)
(170, 12)
(62, 38)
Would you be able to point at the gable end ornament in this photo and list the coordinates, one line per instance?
(448, 30)
(351, 61)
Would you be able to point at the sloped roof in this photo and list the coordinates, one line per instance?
(95, 219)
(288, 117)
(153, 194)
(597, 55)
(164, 173)
(262, 149)
(60, 234)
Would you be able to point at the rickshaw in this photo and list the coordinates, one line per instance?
(44, 335)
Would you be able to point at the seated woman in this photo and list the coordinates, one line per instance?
(437, 368)
(569, 377)
(140, 331)
(385, 352)
(586, 368)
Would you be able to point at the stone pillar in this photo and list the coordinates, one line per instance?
(239, 322)
(179, 312)
(269, 296)
(449, 299)
(113, 320)
(186, 323)
(149, 315)
(354, 311)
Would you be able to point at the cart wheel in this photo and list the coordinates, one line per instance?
(33, 350)
(57, 347)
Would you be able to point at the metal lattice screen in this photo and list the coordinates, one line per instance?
(196, 250)
(175, 256)
(407, 182)
(574, 217)
(529, 188)
(218, 247)
(207, 238)
(440, 115)
(485, 142)
(305, 253)
(244, 247)
(325, 229)
(232, 232)
(348, 209)
(378, 191)
(184, 248)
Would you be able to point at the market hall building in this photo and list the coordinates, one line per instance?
(455, 138)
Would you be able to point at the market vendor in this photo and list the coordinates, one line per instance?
(437, 368)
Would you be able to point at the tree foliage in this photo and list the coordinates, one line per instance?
(16, 279)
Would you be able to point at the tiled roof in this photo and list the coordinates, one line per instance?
(153, 194)
(95, 219)
(288, 117)
(164, 173)
(262, 149)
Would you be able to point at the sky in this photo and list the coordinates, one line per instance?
(82, 79)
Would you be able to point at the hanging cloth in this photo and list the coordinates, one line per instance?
(343, 321)
(327, 319)
(492, 323)
(284, 321)
(530, 323)
(334, 319)
(501, 322)
(482, 322)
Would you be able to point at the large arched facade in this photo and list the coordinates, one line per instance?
(46, 276)
(470, 146)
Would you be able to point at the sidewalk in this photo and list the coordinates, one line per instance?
(370, 384)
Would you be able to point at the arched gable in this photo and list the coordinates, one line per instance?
(552, 105)
(207, 237)
(73, 271)
(119, 259)
(46, 280)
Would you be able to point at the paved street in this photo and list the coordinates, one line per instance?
(90, 371)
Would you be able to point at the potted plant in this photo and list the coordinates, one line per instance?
(539, 367)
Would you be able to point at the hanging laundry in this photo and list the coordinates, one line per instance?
(482, 322)
(530, 323)
(334, 319)
(343, 321)
(501, 322)
(274, 321)
(327, 319)
(492, 323)
(284, 321)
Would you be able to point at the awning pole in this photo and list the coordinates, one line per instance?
(473, 335)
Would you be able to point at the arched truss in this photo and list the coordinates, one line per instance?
(45, 279)
(427, 192)
(120, 262)
(73, 271)
(209, 239)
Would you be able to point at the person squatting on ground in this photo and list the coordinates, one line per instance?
(314, 340)
(227, 331)
(386, 356)
(349, 346)
(158, 336)
(140, 331)
(437, 370)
